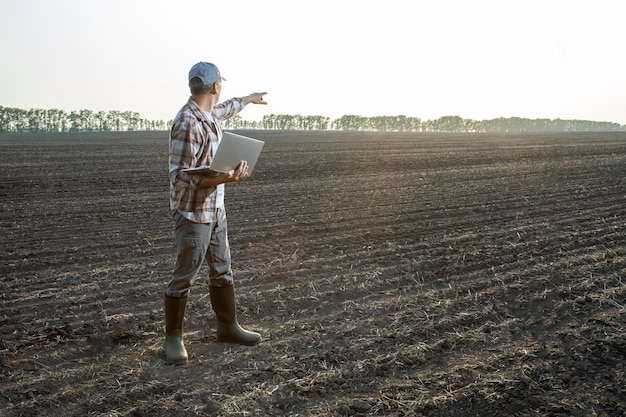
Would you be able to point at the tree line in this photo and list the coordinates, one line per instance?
(415, 124)
(13, 120)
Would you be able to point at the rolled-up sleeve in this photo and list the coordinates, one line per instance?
(227, 109)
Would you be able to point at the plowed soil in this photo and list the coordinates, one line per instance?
(389, 274)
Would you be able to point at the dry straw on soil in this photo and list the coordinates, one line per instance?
(390, 274)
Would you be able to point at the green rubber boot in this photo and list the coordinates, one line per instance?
(175, 351)
(228, 329)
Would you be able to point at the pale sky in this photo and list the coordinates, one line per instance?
(475, 59)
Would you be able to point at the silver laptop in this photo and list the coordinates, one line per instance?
(232, 149)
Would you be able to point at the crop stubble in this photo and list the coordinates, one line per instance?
(390, 274)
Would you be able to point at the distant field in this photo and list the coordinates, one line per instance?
(390, 274)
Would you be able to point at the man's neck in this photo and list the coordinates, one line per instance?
(205, 101)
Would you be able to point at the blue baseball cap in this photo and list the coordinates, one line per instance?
(207, 72)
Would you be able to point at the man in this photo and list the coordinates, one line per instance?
(197, 202)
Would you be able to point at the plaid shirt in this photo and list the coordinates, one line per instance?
(193, 141)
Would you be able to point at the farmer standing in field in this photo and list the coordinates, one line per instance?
(197, 203)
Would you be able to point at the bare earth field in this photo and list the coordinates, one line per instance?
(390, 275)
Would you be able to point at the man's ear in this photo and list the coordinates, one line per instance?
(214, 88)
